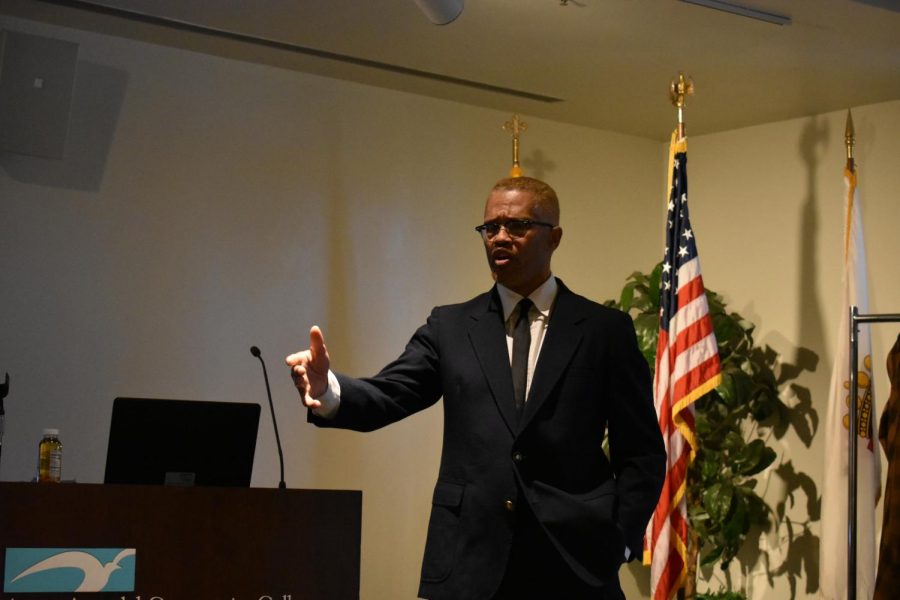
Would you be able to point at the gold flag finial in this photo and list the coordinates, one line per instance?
(679, 90)
(515, 126)
(849, 140)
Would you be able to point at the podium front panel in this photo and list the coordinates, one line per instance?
(193, 543)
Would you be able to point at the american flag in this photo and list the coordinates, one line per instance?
(687, 367)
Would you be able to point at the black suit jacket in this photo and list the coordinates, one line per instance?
(590, 381)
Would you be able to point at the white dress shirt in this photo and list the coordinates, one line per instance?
(538, 316)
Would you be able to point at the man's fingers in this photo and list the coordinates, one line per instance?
(317, 348)
(297, 358)
(301, 381)
(298, 374)
(309, 369)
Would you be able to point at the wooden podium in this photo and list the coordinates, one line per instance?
(196, 543)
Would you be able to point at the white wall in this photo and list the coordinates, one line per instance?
(206, 205)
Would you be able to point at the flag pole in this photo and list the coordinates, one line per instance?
(852, 475)
(671, 546)
(679, 90)
(852, 451)
(515, 126)
(849, 140)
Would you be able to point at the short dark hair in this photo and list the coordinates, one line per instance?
(544, 195)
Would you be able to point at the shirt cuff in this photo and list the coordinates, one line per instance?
(331, 399)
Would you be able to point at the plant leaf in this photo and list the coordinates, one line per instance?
(626, 299)
(718, 499)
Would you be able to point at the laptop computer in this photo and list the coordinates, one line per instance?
(181, 442)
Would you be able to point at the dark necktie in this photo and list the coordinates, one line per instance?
(521, 345)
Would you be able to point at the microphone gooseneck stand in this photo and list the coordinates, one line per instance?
(255, 352)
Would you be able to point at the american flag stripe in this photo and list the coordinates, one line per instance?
(692, 292)
(692, 333)
(679, 467)
(696, 358)
(690, 388)
(687, 367)
(688, 273)
(689, 313)
(668, 576)
(692, 339)
(674, 517)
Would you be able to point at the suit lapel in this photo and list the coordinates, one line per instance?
(560, 342)
(487, 334)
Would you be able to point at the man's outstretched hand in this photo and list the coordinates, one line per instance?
(309, 369)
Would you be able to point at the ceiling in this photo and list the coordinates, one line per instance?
(605, 64)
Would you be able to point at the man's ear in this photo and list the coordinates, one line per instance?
(555, 236)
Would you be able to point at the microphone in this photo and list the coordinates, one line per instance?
(255, 352)
(4, 390)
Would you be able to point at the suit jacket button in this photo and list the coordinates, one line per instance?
(518, 456)
(509, 505)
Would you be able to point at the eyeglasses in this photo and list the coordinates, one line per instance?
(515, 228)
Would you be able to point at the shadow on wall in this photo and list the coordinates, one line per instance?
(813, 142)
(784, 548)
(96, 103)
(537, 165)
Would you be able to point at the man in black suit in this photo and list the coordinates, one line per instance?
(526, 503)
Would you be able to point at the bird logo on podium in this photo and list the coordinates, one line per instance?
(69, 570)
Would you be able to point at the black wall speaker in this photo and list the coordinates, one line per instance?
(37, 76)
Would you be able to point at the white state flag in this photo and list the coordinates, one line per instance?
(833, 547)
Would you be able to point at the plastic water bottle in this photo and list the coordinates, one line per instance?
(50, 457)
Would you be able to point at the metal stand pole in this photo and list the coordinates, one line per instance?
(851, 464)
(855, 320)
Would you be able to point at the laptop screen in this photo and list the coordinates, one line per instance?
(181, 442)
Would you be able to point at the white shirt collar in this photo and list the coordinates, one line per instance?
(542, 297)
